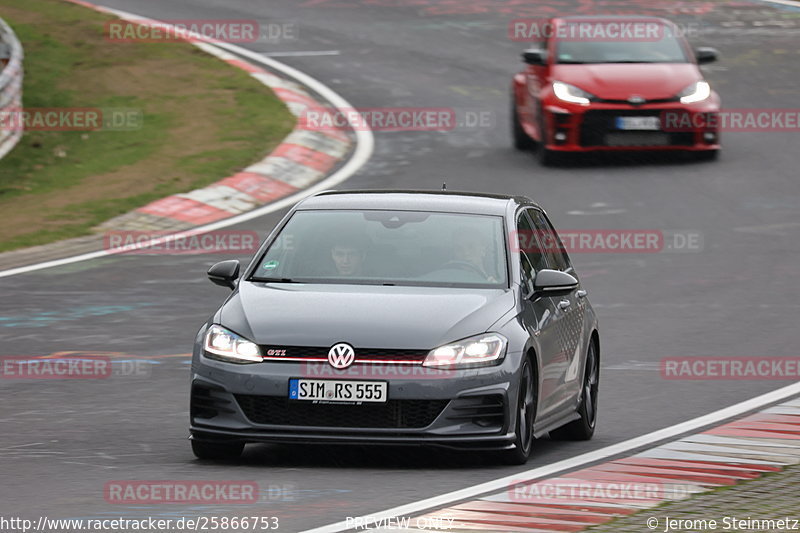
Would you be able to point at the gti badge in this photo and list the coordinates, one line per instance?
(341, 355)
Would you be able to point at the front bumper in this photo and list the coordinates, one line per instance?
(593, 128)
(467, 409)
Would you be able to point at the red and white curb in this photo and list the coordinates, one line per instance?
(789, 3)
(252, 184)
(304, 158)
(740, 450)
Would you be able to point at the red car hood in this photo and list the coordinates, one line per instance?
(615, 81)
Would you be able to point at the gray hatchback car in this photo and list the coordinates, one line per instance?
(399, 317)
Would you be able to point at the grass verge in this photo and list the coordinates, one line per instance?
(202, 120)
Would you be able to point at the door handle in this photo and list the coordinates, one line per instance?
(563, 304)
(581, 293)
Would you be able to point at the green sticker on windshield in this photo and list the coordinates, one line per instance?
(269, 265)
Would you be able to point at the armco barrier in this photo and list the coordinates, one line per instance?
(10, 87)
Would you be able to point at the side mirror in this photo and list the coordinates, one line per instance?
(705, 55)
(535, 56)
(554, 283)
(527, 288)
(224, 273)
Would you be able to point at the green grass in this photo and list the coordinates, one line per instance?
(202, 120)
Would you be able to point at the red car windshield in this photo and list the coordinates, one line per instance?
(594, 43)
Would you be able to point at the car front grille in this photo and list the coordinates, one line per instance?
(362, 354)
(599, 129)
(207, 401)
(398, 414)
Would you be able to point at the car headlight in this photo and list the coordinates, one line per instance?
(225, 345)
(474, 351)
(570, 93)
(696, 92)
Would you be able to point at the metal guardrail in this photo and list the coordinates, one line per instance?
(10, 89)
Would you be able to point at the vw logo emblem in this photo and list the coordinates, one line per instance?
(341, 355)
(636, 99)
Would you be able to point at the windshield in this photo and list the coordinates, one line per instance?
(664, 47)
(388, 248)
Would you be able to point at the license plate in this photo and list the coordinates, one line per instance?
(637, 139)
(638, 123)
(340, 391)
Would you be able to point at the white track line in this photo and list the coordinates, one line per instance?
(791, 3)
(302, 53)
(574, 462)
(365, 143)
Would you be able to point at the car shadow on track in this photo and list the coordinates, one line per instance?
(391, 457)
(627, 159)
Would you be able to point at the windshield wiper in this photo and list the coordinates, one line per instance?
(275, 280)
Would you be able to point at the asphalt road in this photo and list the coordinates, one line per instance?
(62, 440)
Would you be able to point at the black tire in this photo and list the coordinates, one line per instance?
(547, 158)
(706, 155)
(522, 140)
(217, 450)
(525, 417)
(583, 428)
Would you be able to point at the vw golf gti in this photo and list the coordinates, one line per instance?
(399, 317)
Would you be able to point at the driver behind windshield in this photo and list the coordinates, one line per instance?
(348, 254)
(470, 250)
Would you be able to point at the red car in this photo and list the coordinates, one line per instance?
(609, 84)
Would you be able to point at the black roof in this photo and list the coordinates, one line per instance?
(417, 200)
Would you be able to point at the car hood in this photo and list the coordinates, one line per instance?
(364, 316)
(612, 81)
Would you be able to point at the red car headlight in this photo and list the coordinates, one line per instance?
(570, 93)
(696, 92)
